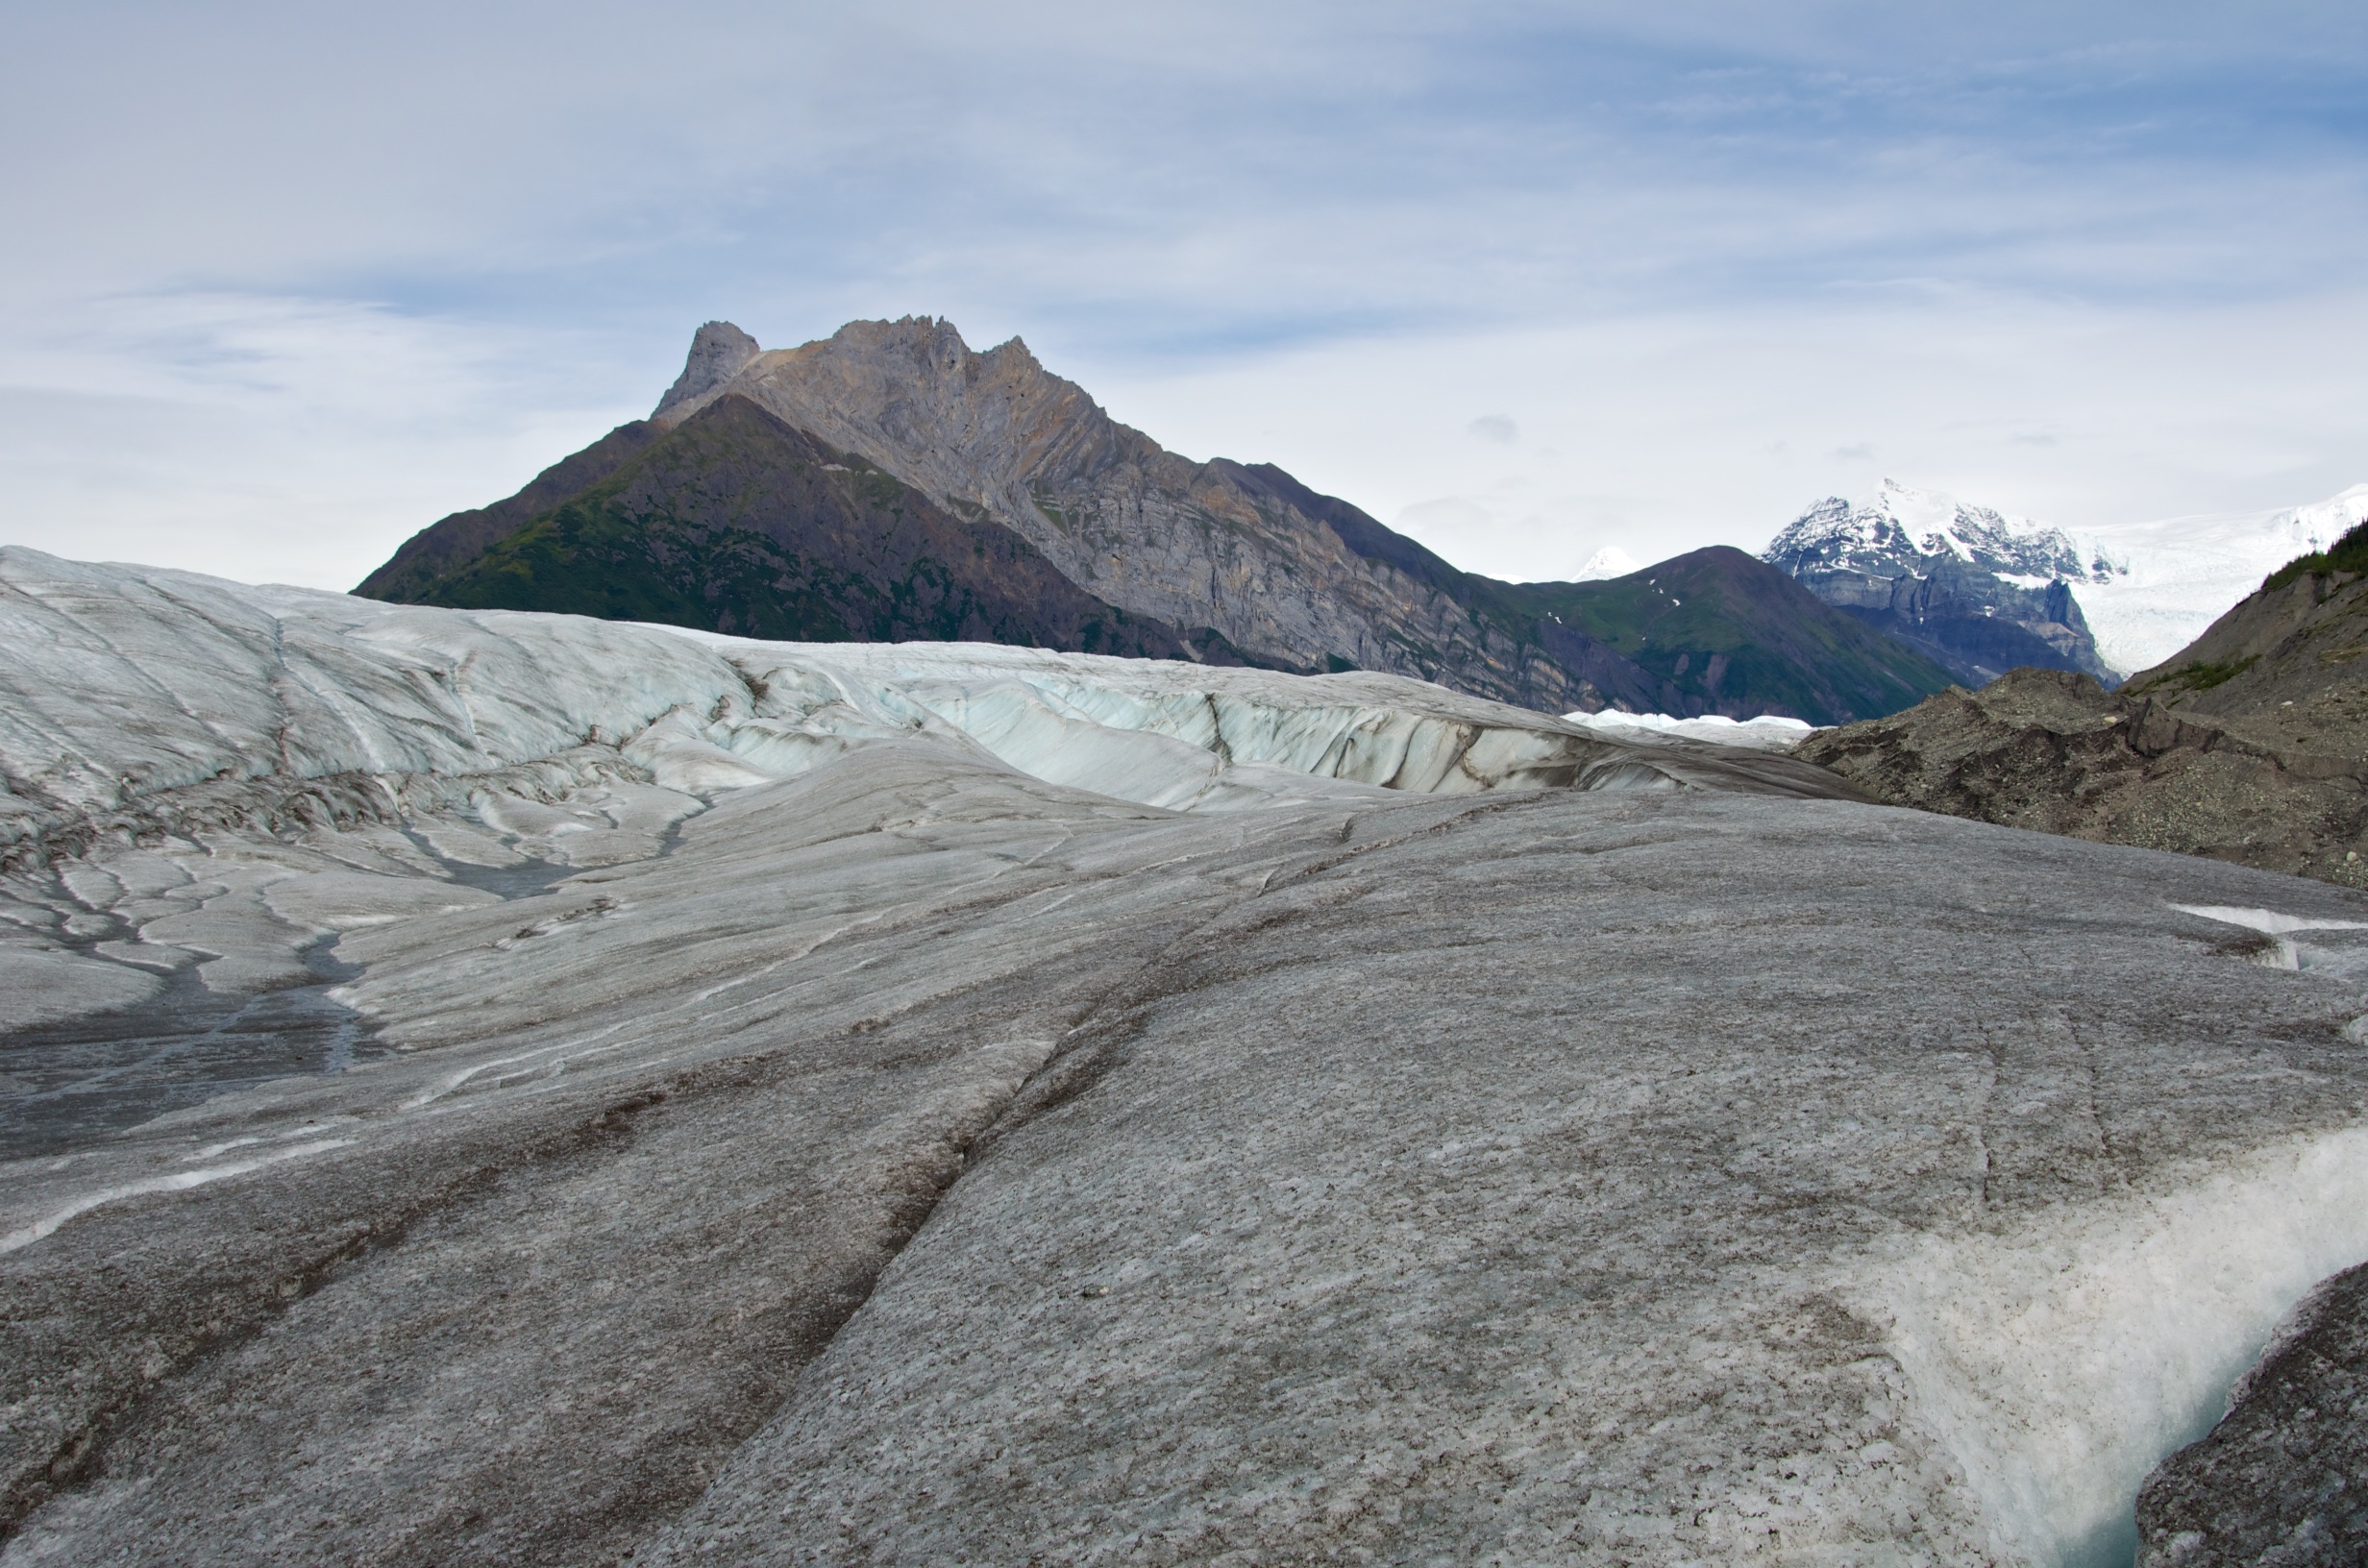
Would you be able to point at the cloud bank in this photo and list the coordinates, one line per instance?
(1535, 279)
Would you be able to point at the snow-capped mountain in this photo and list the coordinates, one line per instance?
(1610, 562)
(2140, 591)
(1902, 527)
(1980, 592)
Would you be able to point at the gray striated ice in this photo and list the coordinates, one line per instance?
(889, 1105)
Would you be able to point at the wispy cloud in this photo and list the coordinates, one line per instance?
(507, 217)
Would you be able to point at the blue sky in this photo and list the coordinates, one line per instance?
(286, 283)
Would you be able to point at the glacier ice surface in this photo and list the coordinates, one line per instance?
(2176, 575)
(927, 1100)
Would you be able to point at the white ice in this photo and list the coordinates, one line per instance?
(2184, 573)
(2061, 1360)
(2286, 953)
(146, 704)
(125, 682)
(1768, 732)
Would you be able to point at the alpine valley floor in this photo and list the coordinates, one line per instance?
(934, 1104)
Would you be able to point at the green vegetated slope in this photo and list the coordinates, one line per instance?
(1712, 631)
(445, 548)
(1717, 630)
(735, 522)
(2347, 554)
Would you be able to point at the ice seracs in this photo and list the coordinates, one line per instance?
(136, 704)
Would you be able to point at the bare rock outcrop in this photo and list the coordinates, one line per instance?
(2249, 745)
(995, 434)
(1283, 574)
(718, 351)
(1226, 563)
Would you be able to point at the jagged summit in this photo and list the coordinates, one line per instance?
(1979, 591)
(2142, 590)
(969, 427)
(1906, 527)
(718, 351)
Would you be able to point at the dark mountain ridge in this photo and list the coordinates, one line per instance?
(734, 521)
(413, 574)
(1234, 561)
(1711, 624)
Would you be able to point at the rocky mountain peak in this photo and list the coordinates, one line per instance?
(1977, 590)
(976, 432)
(1903, 530)
(1239, 563)
(718, 351)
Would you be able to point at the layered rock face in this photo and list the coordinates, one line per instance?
(912, 1103)
(1980, 593)
(1192, 543)
(2246, 746)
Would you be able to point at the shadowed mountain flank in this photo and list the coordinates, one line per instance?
(2245, 746)
(1242, 560)
(734, 521)
(411, 576)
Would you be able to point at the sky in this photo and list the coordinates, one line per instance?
(284, 283)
